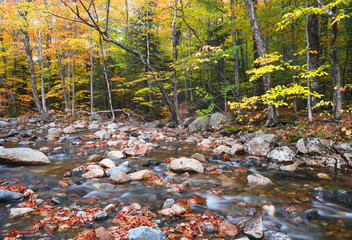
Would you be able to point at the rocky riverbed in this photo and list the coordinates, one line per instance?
(91, 179)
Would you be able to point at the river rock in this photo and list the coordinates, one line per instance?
(118, 168)
(116, 155)
(281, 154)
(200, 157)
(4, 124)
(142, 149)
(130, 151)
(140, 175)
(289, 168)
(69, 129)
(146, 233)
(269, 209)
(254, 227)
(273, 235)
(261, 145)
(102, 234)
(96, 117)
(199, 124)
(313, 147)
(319, 161)
(94, 126)
(107, 163)
(227, 230)
(94, 173)
(345, 149)
(93, 166)
(19, 212)
(188, 121)
(237, 149)
(105, 134)
(258, 179)
(23, 156)
(94, 158)
(119, 177)
(216, 119)
(186, 165)
(6, 195)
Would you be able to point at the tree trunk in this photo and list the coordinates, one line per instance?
(41, 68)
(314, 52)
(335, 70)
(32, 73)
(262, 51)
(91, 72)
(235, 54)
(309, 99)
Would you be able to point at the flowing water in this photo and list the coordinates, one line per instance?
(226, 192)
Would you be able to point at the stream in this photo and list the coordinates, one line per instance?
(300, 212)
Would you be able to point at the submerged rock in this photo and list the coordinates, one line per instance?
(23, 156)
(19, 212)
(6, 195)
(186, 165)
(257, 179)
(146, 233)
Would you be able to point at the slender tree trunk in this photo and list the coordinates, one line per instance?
(32, 73)
(73, 83)
(314, 52)
(148, 56)
(309, 100)
(235, 54)
(175, 42)
(335, 70)
(126, 27)
(189, 55)
(107, 80)
(41, 68)
(262, 51)
(91, 73)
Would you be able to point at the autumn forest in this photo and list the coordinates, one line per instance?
(175, 58)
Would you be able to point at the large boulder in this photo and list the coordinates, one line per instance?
(261, 145)
(216, 119)
(281, 154)
(199, 124)
(96, 117)
(23, 156)
(345, 150)
(313, 147)
(6, 196)
(146, 233)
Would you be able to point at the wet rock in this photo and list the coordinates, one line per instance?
(289, 168)
(102, 234)
(318, 161)
(94, 173)
(323, 175)
(179, 209)
(146, 233)
(103, 186)
(129, 151)
(199, 124)
(116, 155)
(100, 215)
(23, 156)
(200, 157)
(140, 175)
(343, 197)
(216, 119)
(272, 166)
(168, 203)
(19, 212)
(237, 149)
(254, 227)
(186, 165)
(281, 154)
(142, 149)
(6, 195)
(312, 215)
(110, 208)
(96, 117)
(261, 145)
(345, 149)
(119, 177)
(258, 179)
(313, 147)
(207, 227)
(94, 158)
(269, 209)
(227, 230)
(118, 168)
(107, 163)
(273, 235)
(222, 149)
(168, 212)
